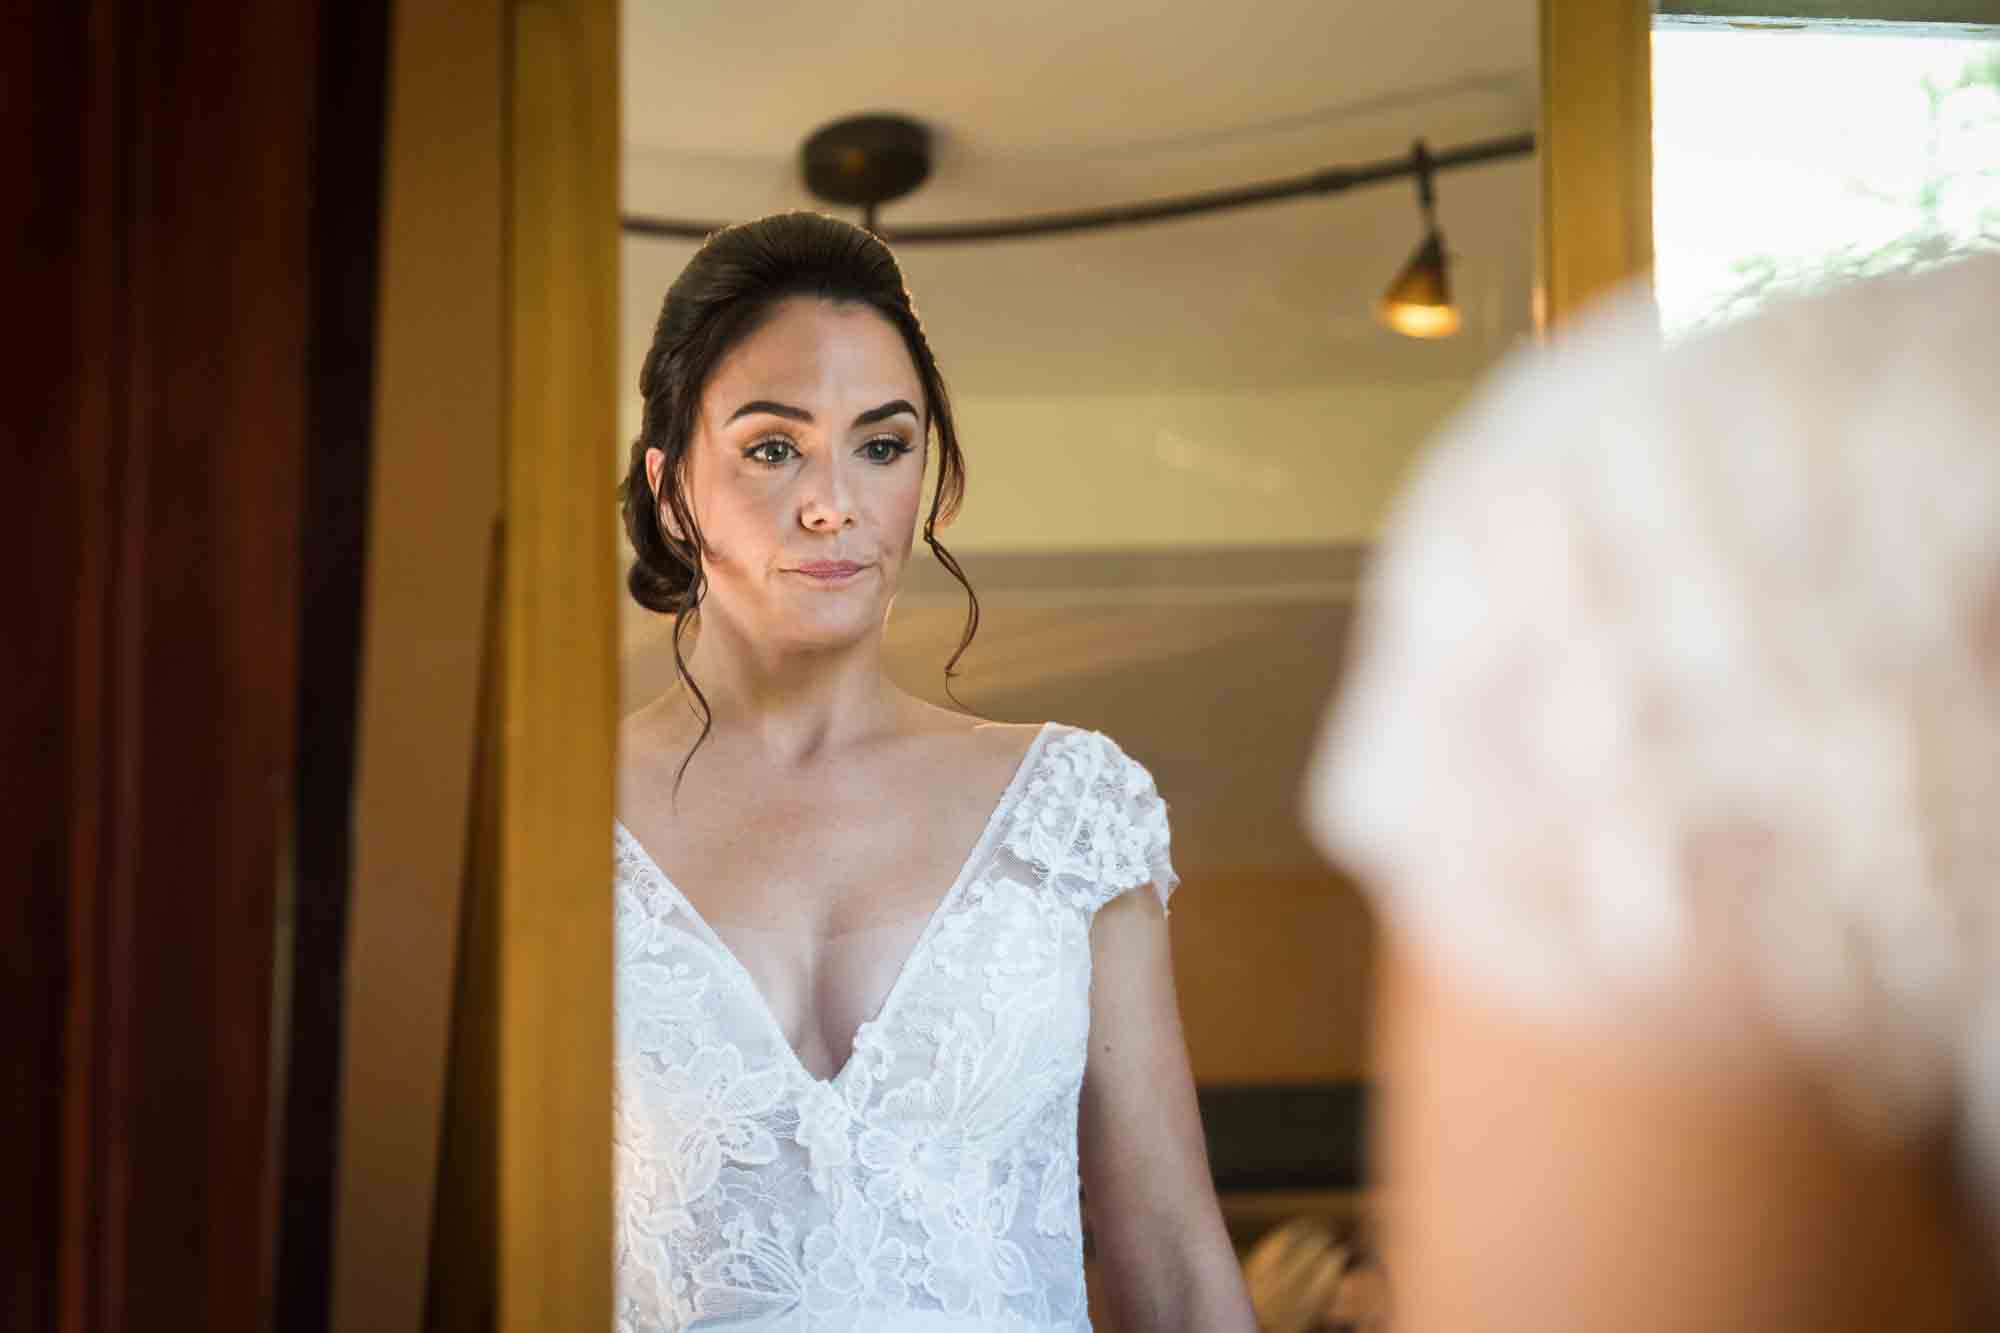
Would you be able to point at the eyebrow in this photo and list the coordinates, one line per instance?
(764, 406)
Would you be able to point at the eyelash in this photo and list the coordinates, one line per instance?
(898, 445)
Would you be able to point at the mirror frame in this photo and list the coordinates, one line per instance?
(522, 1228)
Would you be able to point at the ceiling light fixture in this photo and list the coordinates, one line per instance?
(1418, 303)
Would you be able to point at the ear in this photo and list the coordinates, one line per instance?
(656, 466)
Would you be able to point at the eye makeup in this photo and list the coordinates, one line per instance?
(882, 450)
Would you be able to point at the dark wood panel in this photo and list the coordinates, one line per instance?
(1304, 1136)
(346, 222)
(204, 596)
(1927, 13)
(156, 439)
(44, 106)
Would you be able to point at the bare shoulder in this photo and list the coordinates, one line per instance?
(960, 739)
(652, 741)
(970, 756)
(1005, 742)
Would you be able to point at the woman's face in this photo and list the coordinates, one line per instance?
(805, 473)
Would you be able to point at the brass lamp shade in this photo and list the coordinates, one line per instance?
(1418, 303)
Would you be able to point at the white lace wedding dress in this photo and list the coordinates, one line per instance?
(929, 1186)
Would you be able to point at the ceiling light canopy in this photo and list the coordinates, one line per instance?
(866, 161)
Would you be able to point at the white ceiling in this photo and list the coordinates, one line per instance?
(1038, 105)
(1047, 81)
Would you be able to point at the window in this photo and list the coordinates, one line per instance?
(1793, 158)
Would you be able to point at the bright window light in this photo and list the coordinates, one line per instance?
(1788, 161)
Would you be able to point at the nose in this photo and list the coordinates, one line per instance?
(826, 505)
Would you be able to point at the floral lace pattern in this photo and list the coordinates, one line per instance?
(931, 1183)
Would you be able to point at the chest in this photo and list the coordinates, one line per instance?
(821, 864)
(818, 893)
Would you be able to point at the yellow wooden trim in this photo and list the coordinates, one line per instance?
(1595, 148)
(559, 673)
(434, 493)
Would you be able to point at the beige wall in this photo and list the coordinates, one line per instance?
(434, 501)
(1273, 971)
(1289, 465)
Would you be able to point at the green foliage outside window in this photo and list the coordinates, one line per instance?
(1951, 211)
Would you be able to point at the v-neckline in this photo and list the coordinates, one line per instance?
(903, 974)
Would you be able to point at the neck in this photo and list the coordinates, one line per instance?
(792, 702)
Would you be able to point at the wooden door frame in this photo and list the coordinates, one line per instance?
(559, 670)
(1595, 149)
(524, 1213)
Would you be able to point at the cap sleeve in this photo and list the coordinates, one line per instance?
(1092, 824)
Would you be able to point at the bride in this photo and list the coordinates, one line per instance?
(890, 979)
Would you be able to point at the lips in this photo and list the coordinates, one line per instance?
(829, 571)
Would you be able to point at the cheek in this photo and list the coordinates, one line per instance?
(903, 499)
(736, 521)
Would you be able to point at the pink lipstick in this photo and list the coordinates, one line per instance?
(829, 571)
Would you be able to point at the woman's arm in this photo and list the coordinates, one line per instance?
(1539, 1179)
(1165, 1252)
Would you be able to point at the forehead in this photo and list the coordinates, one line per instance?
(811, 349)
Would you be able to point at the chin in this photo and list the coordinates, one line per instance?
(826, 622)
(820, 638)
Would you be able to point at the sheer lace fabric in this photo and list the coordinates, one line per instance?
(931, 1183)
(1685, 661)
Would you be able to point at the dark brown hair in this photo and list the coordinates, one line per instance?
(725, 294)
